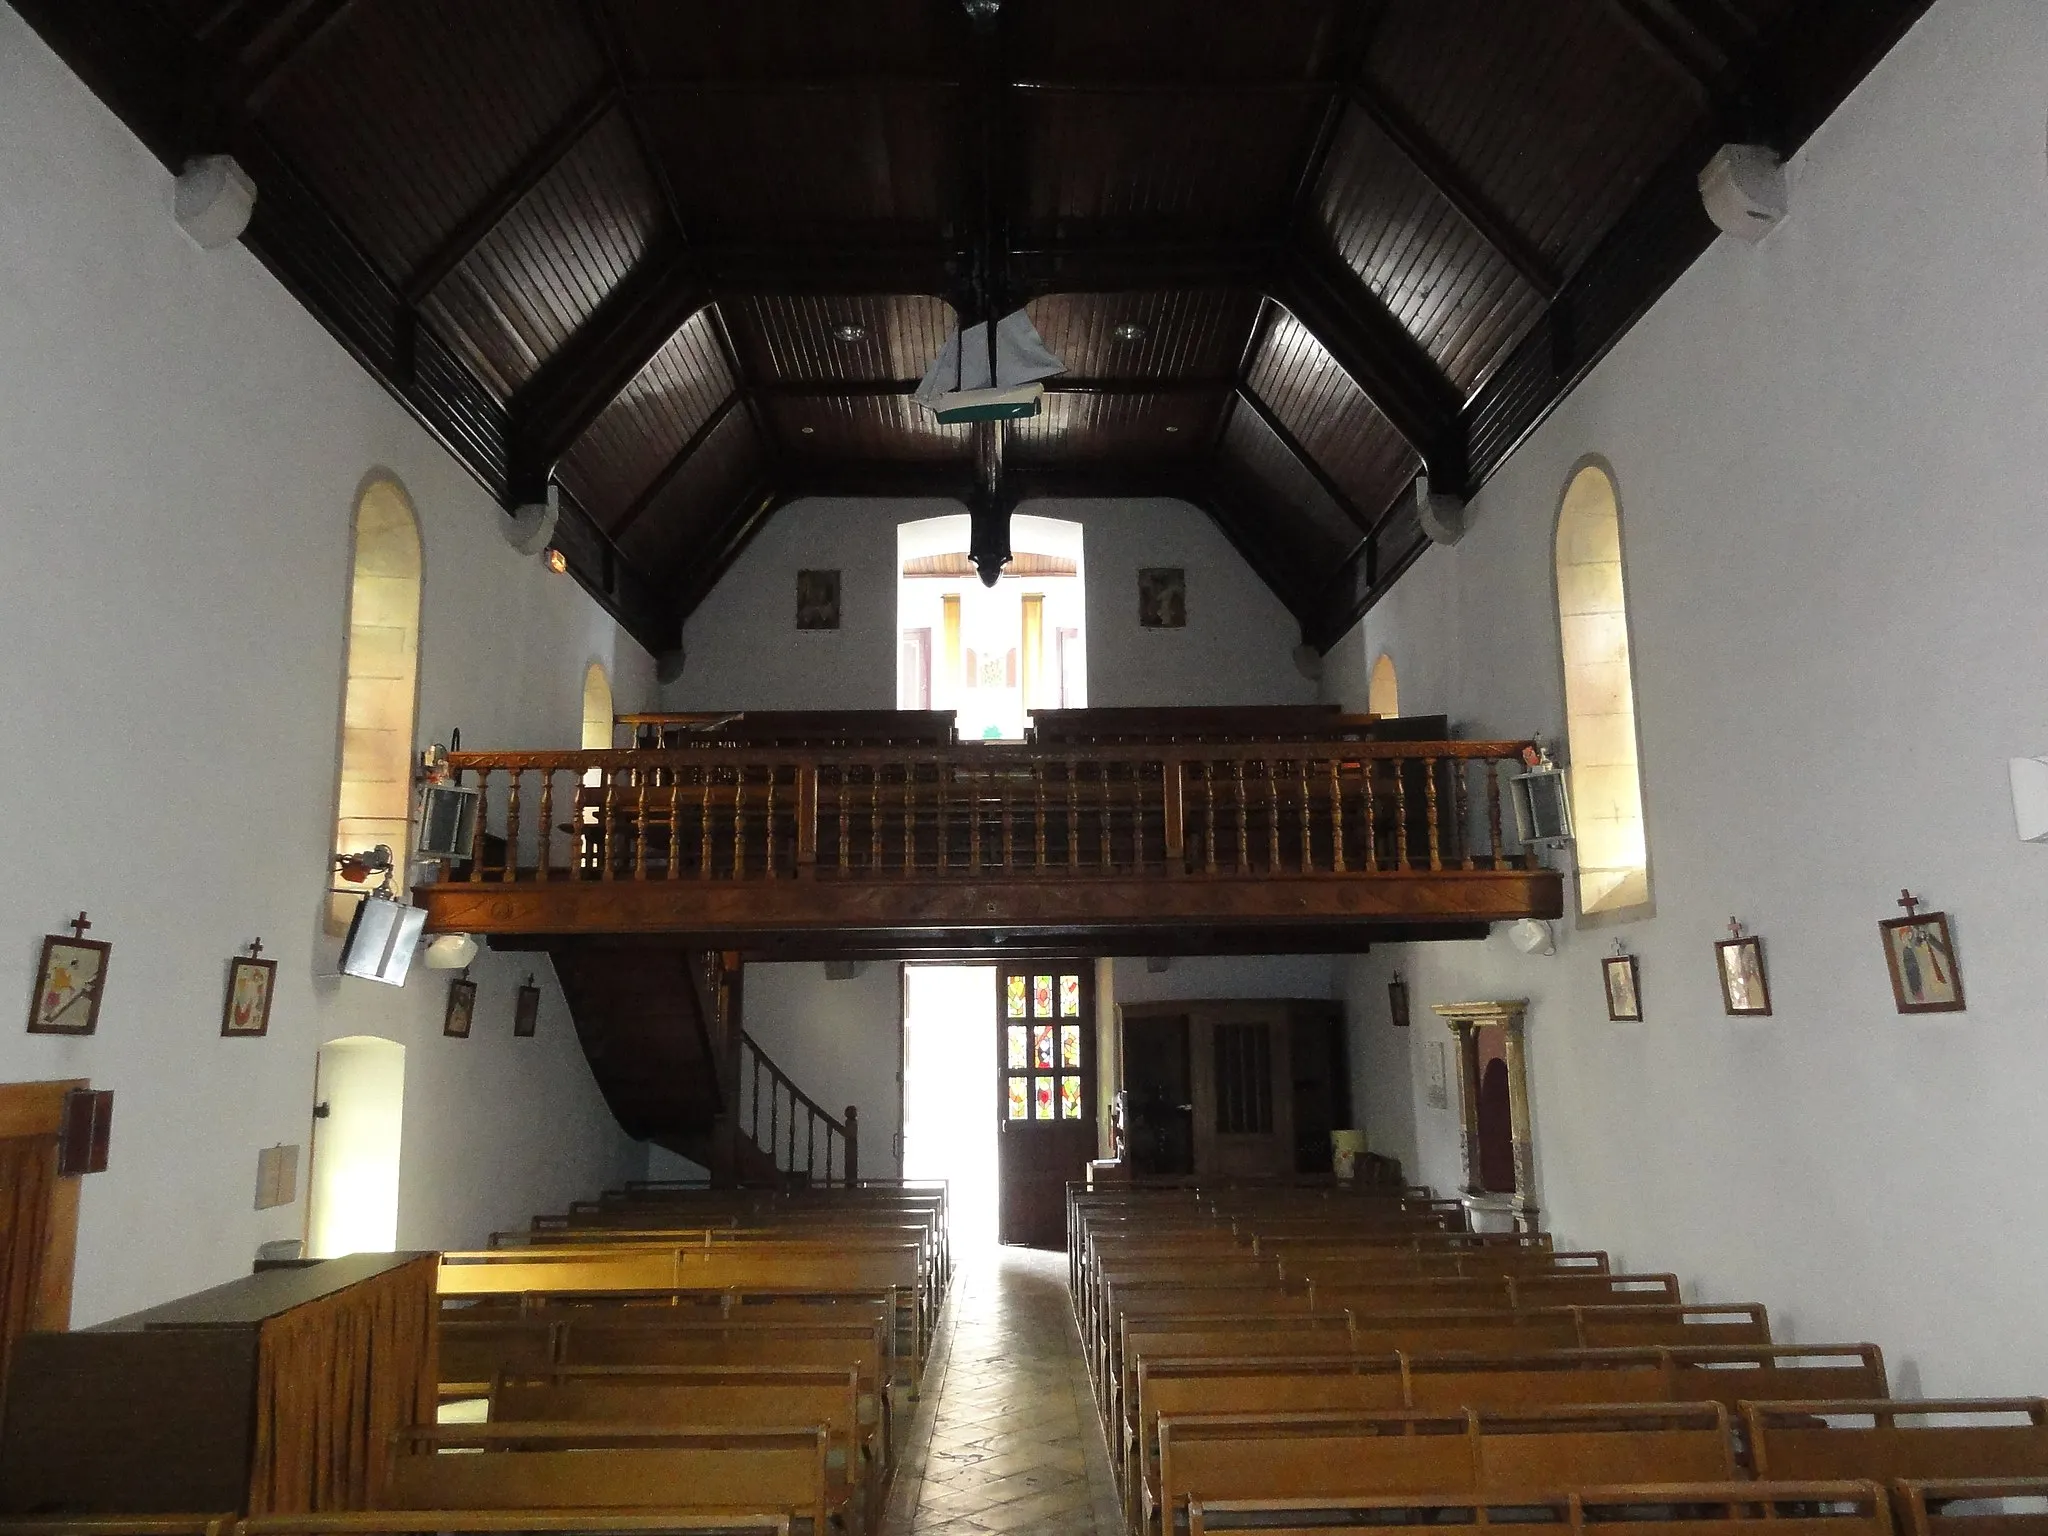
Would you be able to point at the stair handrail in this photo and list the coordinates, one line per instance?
(781, 1143)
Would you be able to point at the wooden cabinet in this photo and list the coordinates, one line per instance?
(1238, 1088)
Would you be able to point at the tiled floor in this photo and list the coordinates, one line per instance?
(1006, 1438)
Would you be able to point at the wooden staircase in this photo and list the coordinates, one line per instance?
(661, 1026)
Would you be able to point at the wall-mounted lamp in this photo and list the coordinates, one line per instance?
(1543, 811)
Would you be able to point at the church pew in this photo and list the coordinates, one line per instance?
(555, 1466)
(1516, 1292)
(750, 1396)
(1339, 1456)
(120, 1525)
(1938, 1438)
(1973, 1506)
(1656, 1509)
(493, 1522)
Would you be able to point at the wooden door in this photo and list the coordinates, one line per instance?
(1241, 1054)
(1045, 1095)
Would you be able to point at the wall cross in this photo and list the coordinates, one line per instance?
(78, 925)
(1907, 900)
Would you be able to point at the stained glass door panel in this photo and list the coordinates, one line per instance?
(1046, 1096)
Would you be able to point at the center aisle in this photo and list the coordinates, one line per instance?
(1007, 1439)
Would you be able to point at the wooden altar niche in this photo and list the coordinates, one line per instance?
(275, 1394)
(1232, 1087)
(1466, 1020)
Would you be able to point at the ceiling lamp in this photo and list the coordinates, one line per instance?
(849, 332)
(1130, 331)
(974, 379)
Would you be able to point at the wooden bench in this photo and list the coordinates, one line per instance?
(1656, 1509)
(463, 1522)
(1943, 1438)
(1339, 1456)
(553, 1466)
(1973, 1506)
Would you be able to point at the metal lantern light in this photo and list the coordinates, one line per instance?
(1543, 807)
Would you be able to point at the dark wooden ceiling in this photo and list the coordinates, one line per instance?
(688, 257)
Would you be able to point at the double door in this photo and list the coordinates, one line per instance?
(1045, 1095)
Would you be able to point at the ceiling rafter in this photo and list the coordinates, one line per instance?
(1384, 361)
(270, 40)
(666, 475)
(456, 246)
(1058, 384)
(762, 500)
(1308, 461)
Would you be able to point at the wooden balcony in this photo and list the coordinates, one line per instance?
(903, 849)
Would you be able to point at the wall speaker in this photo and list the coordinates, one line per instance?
(2030, 798)
(212, 199)
(668, 666)
(532, 526)
(1743, 188)
(1442, 517)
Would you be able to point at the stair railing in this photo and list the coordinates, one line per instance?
(790, 1126)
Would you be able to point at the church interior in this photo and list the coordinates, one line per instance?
(965, 767)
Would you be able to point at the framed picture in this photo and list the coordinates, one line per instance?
(1921, 958)
(1397, 1002)
(817, 599)
(250, 984)
(461, 1008)
(70, 979)
(526, 1011)
(1624, 989)
(1163, 597)
(1744, 988)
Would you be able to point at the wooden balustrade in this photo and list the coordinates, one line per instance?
(1384, 808)
(731, 837)
(798, 1133)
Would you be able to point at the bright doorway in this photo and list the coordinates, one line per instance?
(949, 1065)
(358, 1117)
(992, 654)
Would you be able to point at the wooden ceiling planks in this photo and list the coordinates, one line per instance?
(617, 241)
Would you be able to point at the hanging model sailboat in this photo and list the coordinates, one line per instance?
(973, 380)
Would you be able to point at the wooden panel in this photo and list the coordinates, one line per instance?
(680, 524)
(893, 428)
(1197, 333)
(790, 337)
(1205, 40)
(1093, 428)
(1330, 416)
(782, 39)
(1305, 515)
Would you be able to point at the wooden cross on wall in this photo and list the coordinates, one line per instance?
(256, 950)
(1734, 928)
(1907, 900)
(78, 925)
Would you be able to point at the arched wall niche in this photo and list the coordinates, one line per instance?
(381, 693)
(1383, 693)
(1599, 692)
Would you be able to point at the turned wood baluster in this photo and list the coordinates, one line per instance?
(1009, 815)
(1102, 800)
(608, 815)
(547, 820)
(1336, 816)
(1243, 823)
(511, 870)
(845, 821)
(1038, 815)
(1209, 816)
(1400, 813)
(1464, 805)
(875, 819)
(675, 824)
(640, 830)
(476, 836)
(1073, 815)
(704, 825)
(1372, 833)
(909, 820)
(1435, 842)
(768, 826)
(1493, 839)
(974, 821)
(739, 824)
(1308, 858)
(1273, 816)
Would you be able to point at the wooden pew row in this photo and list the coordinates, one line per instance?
(1343, 1455)
(1443, 1383)
(750, 1396)
(704, 1471)
(1656, 1509)
(493, 1522)
(1973, 1506)
(1894, 1440)
(1743, 1326)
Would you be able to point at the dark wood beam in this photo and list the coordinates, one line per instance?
(1383, 359)
(1454, 186)
(1252, 543)
(1308, 461)
(287, 36)
(1708, 51)
(1059, 384)
(455, 248)
(748, 516)
(665, 477)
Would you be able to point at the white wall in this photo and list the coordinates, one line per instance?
(1830, 460)
(181, 446)
(745, 651)
(842, 1043)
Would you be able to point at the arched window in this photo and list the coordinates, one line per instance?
(383, 684)
(597, 709)
(1600, 698)
(1383, 696)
